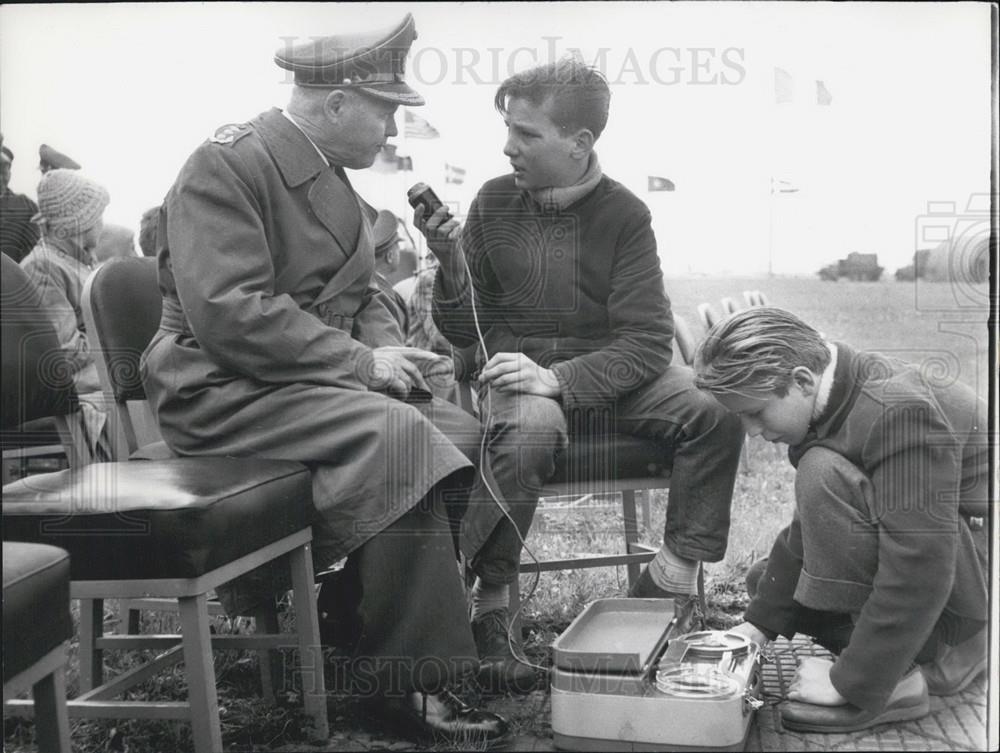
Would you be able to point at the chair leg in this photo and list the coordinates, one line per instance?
(91, 657)
(310, 651)
(271, 672)
(200, 673)
(513, 607)
(51, 716)
(631, 532)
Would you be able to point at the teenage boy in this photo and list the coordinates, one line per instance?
(577, 329)
(885, 560)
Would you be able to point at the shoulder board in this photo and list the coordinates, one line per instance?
(228, 134)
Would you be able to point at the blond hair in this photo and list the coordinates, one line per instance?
(755, 351)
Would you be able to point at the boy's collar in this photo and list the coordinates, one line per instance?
(825, 385)
(558, 198)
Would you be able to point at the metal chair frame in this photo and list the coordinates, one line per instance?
(194, 645)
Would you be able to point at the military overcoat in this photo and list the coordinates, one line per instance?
(265, 260)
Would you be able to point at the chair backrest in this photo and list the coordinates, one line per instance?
(121, 306)
(707, 315)
(37, 380)
(685, 340)
(728, 306)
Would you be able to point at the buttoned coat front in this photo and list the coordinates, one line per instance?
(269, 320)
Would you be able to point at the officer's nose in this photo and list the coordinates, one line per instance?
(390, 127)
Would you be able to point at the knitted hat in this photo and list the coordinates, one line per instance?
(69, 203)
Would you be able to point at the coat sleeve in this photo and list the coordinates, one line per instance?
(224, 273)
(773, 610)
(374, 324)
(51, 283)
(639, 318)
(916, 475)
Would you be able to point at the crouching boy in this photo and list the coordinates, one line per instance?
(885, 560)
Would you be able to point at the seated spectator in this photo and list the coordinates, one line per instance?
(885, 560)
(17, 232)
(147, 231)
(51, 159)
(386, 231)
(115, 241)
(424, 334)
(70, 215)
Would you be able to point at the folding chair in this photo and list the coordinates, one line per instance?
(40, 423)
(615, 463)
(707, 315)
(176, 528)
(728, 306)
(754, 298)
(37, 628)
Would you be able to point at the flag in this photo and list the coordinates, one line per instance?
(657, 183)
(784, 87)
(453, 174)
(417, 128)
(823, 96)
(386, 160)
(783, 186)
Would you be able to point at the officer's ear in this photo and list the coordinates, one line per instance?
(335, 104)
(583, 143)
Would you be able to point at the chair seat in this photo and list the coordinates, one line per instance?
(36, 615)
(611, 456)
(38, 433)
(161, 519)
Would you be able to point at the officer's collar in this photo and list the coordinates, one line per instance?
(293, 151)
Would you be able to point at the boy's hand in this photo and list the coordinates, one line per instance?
(812, 683)
(441, 230)
(750, 631)
(515, 372)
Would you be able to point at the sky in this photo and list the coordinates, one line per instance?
(129, 90)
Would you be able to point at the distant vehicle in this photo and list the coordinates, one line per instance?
(857, 267)
(917, 270)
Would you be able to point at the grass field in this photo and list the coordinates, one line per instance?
(941, 326)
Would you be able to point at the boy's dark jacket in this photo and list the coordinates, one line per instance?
(924, 446)
(578, 290)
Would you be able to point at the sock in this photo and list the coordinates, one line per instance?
(673, 573)
(486, 597)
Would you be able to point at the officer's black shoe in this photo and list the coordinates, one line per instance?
(499, 671)
(443, 717)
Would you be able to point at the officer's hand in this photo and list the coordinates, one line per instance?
(515, 372)
(391, 369)
(812, 683)
(441, 230)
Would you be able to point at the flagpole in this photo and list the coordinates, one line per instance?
(770, 231)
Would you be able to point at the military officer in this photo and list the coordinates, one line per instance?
(53, 159)
(274, 342)
(18, 234)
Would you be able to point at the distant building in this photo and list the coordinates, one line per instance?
(856, 267)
